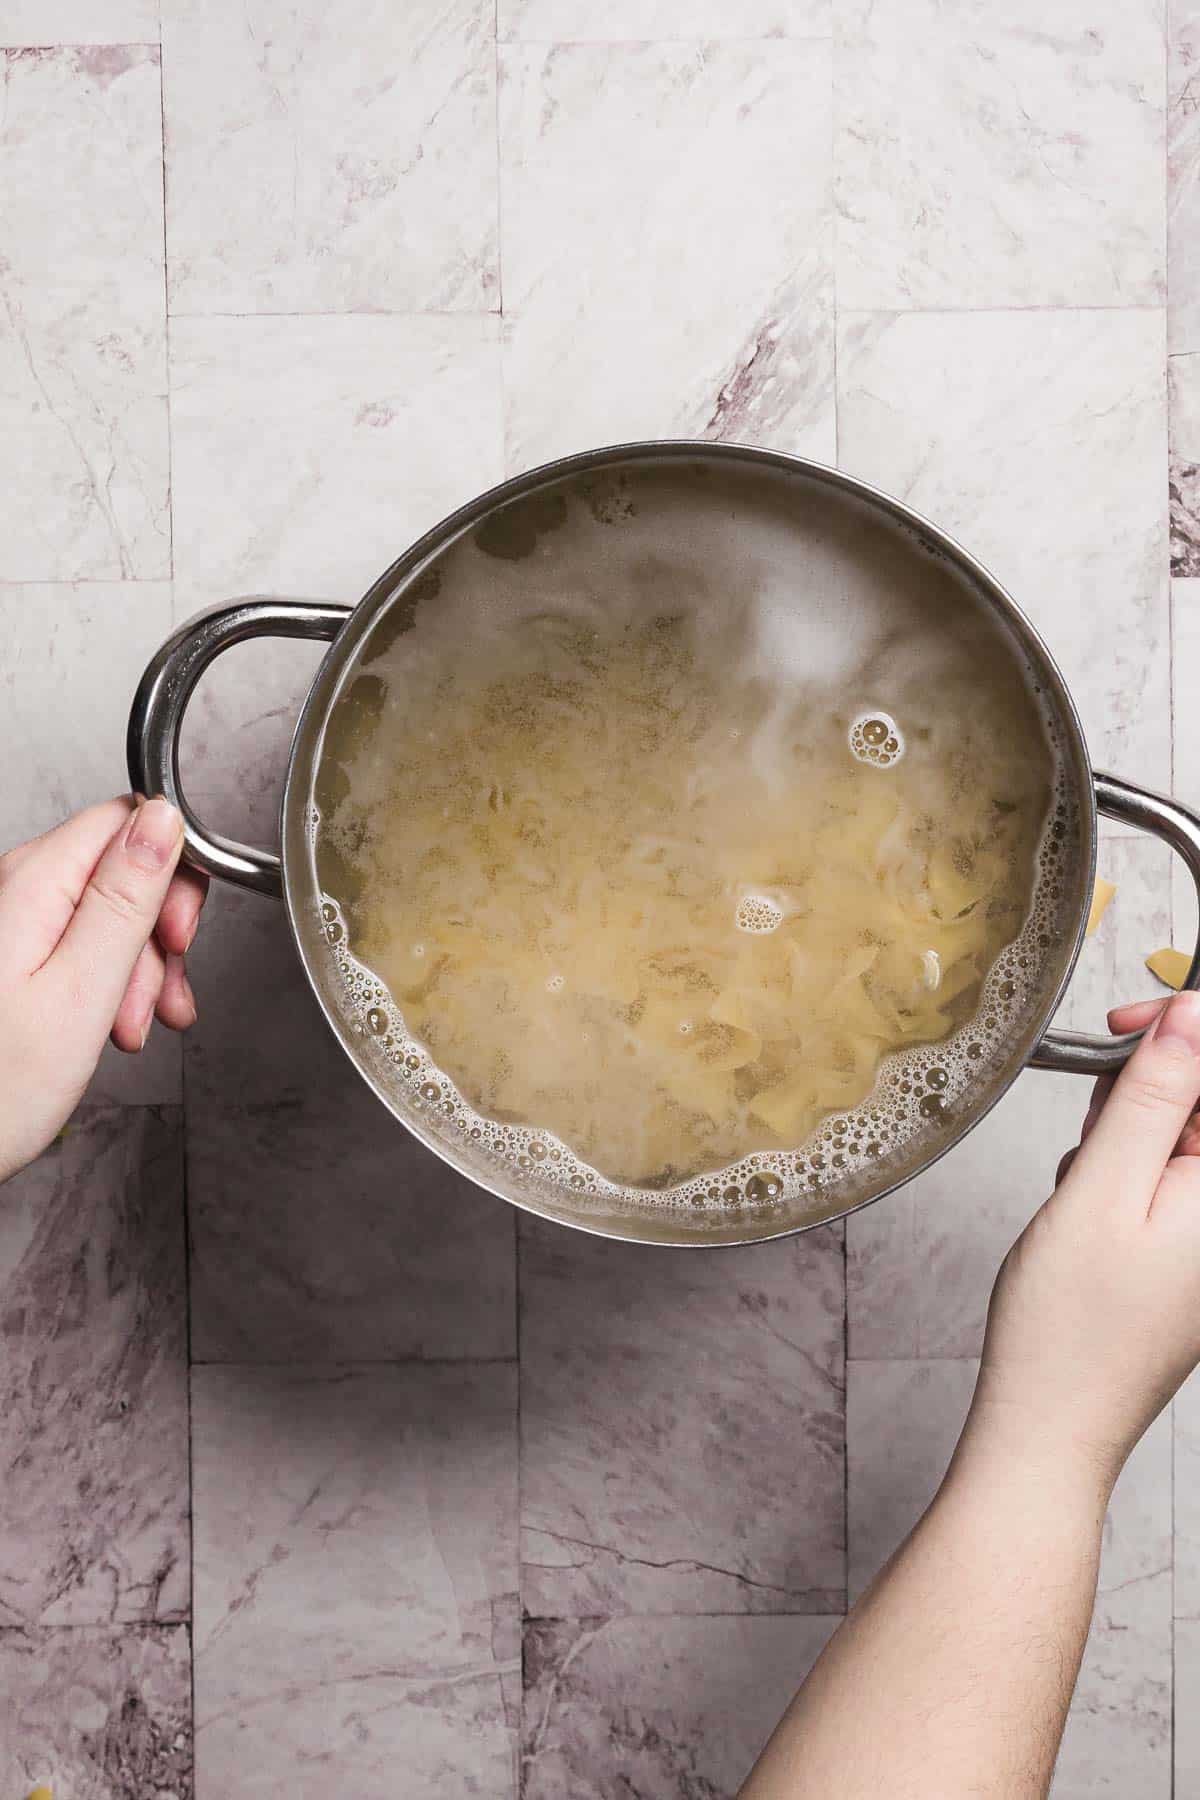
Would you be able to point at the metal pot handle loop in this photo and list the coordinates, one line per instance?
(152, 743)
(1081, 1052)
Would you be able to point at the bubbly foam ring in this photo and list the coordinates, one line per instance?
(917, 1092)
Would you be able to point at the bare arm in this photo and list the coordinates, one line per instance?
(954, 1673)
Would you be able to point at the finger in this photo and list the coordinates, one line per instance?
(44, 879)
(1151, 1102)
(1100, 1093)
(135, 1014)
(86, 977)
(1064, 1165)
(1101, 1089)
(180, 913)
(1136, 1015)
(176, 1002)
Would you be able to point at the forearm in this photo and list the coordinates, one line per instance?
(954, 1672)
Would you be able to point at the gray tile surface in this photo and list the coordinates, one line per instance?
(98, 1713)
(356, 1579)
(83, 326)
(674, 1708)
(955, 193)
(727, 331)
(93, 1377)
(681, 1427)
(371, 137)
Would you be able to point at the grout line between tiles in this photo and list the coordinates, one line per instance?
(835, 247)
(162, 126)
(120, 1627)
(710, 42)
(353, 1362)
(96, 581)
(907, 312)
(107, 44)
(499, 162)
(350, 312)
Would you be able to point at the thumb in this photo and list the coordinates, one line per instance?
(93, 960)
(1152, 1099)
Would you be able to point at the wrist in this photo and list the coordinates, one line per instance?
(1031, 1459)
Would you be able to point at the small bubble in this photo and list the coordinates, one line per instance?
(429, 1090)
(334, 933)
(537, 1149)
(937, 1078)
(328, 913)
(764, 1187)
(377, 1021)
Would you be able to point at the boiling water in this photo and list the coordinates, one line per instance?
(669, 868)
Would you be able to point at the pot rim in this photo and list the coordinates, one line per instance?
(309, 732)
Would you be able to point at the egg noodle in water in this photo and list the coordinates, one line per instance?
(661, 875)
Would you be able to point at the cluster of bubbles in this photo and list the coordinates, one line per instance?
(757, 914)
(876, 738)
(918, 1096)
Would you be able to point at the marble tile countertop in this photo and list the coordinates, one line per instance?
(321, 1472)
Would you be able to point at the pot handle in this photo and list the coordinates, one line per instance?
(152, 742)
(1081, 1052)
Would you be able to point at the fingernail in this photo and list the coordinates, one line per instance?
(152, 834)
(1179, 1024)
(146, 1028)
(190, 997)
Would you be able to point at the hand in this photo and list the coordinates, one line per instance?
(1095, 1317)
(94, 923)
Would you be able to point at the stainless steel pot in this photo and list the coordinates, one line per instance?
(165, 689)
